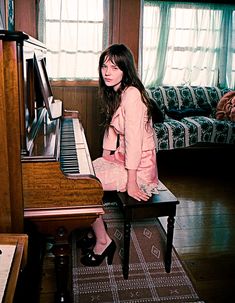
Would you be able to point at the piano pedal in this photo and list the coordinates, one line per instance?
(86, 239)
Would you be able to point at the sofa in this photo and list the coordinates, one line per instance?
(190, 116)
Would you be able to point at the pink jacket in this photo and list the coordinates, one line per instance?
(136, 135)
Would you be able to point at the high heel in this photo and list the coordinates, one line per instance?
(91, 259)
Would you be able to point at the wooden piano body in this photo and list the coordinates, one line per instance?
(46, 174)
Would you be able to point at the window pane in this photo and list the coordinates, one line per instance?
(87, 13)
(52, 9)
(74, 35)
(52, 36)
(188, 44)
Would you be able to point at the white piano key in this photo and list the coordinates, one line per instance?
(77, 132)
(80, 148)
(82, 160)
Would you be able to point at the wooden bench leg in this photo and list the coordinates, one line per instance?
(161, 205)
(127, 231)
(170, 232)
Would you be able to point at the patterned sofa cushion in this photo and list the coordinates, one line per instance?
(190, 130)
(182, 97)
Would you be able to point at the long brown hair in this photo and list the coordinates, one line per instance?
(121, 56)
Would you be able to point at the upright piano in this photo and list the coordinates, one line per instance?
(51, 181)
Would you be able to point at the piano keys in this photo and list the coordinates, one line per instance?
(56, 184)
(73, 153)
(68, 158)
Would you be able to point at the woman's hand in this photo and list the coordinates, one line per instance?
(133, 189)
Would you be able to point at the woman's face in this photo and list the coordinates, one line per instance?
(111, 74)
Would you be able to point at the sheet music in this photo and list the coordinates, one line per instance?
(6, 256)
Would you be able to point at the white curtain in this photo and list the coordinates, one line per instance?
(188, 44)
(75, 33)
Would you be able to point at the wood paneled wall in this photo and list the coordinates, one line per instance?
(26, 16)
(125, 20)
(84, 99)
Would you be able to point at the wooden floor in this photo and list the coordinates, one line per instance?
(204, 234)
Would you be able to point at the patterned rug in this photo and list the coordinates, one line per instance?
(147, 282)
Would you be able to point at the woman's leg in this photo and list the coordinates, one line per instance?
(104, 247)
(102, 238)
(112, 177)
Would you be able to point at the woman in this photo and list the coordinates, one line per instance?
(128, 162)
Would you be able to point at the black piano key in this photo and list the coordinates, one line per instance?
(68, 156)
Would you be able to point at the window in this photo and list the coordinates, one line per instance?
(74, 32)
(189, 43)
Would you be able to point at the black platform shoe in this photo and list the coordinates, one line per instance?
(91, 259)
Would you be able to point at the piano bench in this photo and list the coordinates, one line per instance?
(159, 205)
